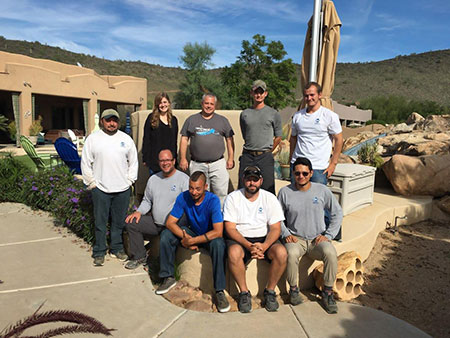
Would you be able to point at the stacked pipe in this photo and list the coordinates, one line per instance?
(349, 277)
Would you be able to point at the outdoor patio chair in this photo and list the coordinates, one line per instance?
(42, 161)
(67, 151)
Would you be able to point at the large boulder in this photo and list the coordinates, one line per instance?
(416, 144)
(423, 175)
(434, 123)
(414, 118)
(402, 128)
(361, 137)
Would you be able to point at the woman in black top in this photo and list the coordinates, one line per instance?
(160, 132)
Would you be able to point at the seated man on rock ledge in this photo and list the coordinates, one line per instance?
(305, 233)
(204, 229)
(252, 222)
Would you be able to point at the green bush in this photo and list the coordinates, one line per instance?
(12, 173)
(63, 195)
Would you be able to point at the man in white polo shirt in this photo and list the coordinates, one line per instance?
(109, 165)
(253, 225)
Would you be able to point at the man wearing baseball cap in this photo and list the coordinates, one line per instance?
(253, 219)
(109, 166)
(261, 129)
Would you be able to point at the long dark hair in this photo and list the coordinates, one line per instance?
(157, 113)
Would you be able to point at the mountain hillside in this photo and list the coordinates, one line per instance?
(419, 77)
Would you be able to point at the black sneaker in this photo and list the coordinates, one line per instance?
(135, 263)
(245, 302)
(270, 300)
(169, 283)
(328, 302)
(222, 302)
(120, 255)
(99, 260)
(294, 296)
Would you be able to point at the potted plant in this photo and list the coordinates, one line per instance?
(35, 129)
(285, 164)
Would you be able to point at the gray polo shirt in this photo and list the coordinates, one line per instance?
(259, 127)
(160, 194)
(304, 211)
(207, 136)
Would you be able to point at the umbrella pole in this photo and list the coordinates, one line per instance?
(315, 36)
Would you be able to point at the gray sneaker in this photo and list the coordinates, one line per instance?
(270, 300)
(135, 263)
(245, 302)
(222, 302)
(99, 260)
(168, 284)
(294, 296)
(328, 302)
(120, 255)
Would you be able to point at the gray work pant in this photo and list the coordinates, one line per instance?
(136, 233)
(325, 252)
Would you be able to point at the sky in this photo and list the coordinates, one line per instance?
(155, 31)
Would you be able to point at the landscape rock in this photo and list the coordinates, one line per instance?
(414, 118)
(199, 305)
(361, 137)
(423, 175)
(416, 144)
(402, 128)
(434, 123)
(441, 210)
(345, 159)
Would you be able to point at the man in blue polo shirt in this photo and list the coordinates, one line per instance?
(205, 228)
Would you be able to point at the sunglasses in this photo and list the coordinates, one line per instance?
(302, 173)
(253, 178)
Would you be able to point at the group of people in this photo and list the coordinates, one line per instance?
(197, 211)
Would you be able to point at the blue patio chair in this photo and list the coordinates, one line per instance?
(67, 151)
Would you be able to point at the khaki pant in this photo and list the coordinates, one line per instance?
(325, 252)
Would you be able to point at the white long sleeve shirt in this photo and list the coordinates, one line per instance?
(109, 161)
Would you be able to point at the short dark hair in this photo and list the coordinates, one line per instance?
(302, 161)
(313, 84)
(198, 175)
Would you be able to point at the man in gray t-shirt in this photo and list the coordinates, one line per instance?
(160, 194)
(206, 132)
(306, 233)
(261, 129)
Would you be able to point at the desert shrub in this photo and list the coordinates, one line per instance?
(368, 154)
(12, 173)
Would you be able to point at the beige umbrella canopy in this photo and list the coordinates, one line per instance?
(329, 49)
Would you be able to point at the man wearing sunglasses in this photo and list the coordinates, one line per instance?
(261, 129)
(253, 225)
(160, 194)
(305, 231)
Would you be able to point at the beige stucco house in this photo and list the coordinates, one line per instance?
(66, 96)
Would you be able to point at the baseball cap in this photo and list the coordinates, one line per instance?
(259, 84)
(107, 113)
(252, 171)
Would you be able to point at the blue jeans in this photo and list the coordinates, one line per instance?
(105, 204)
(168, 246)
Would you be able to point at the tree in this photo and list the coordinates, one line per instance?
(198, 81)
(266, 61)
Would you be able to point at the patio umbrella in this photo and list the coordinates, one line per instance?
(330, 30)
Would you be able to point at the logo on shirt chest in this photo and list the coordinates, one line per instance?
(122, 144)
(173, 188)
(317, 121)
(205, 131)
(315, 200)
(260, 210)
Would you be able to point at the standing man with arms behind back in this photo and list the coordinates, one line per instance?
(261, 129)
(205, 131)
(314, 129)
(109, 165)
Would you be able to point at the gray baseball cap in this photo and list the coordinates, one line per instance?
(107, 113)
(259, 84)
